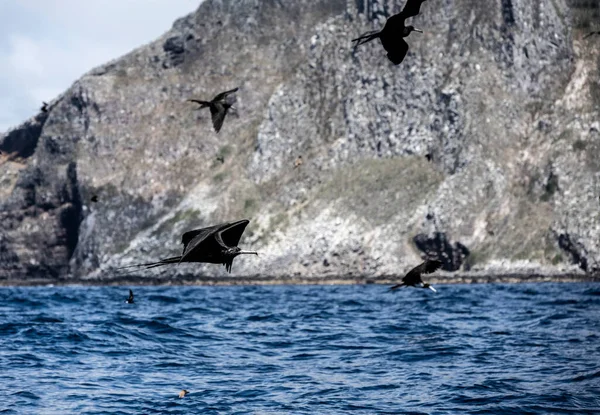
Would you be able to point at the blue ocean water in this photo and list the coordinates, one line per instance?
(469, 349)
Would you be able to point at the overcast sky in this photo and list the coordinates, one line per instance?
(45, 45)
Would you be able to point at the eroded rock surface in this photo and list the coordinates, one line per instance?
(481, 147)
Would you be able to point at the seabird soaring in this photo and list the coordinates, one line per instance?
(393, 33)
(413, 278)
(215, 245)
(218, 106)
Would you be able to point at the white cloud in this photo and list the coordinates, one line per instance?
(45, 45)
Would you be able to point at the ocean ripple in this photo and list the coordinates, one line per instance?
(476, 349)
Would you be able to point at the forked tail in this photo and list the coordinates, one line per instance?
(203, 104)
(166, 261)
(366, 37)
(395, 287)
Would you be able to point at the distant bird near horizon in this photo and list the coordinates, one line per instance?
(130, 299)
(592, 34)
(413, 277)
(214, 245)
(393, 33)
(44, 107)
(218, 107)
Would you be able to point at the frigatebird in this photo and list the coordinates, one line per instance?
(393, 33)
(215, 245)
(218, 106)
(413, 278)
(130, 299)
(592, 34)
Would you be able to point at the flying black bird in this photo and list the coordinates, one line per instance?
(44, 107)
(219, 106)
(592, 34)
(393, 33)
(413, 278)
(130, 299)
(215, 245)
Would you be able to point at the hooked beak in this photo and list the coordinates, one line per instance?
(248, 252)
(417, 30)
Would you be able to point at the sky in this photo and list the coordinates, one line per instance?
(45, 45)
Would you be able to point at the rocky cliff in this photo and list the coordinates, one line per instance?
(481, 148)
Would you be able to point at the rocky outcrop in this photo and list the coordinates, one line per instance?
(480, 148)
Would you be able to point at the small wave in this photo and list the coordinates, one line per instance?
(587, 376)
(27, 395)
(42, 318)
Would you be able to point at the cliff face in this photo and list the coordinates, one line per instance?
(481, 146)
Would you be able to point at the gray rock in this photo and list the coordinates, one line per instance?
(501, 96)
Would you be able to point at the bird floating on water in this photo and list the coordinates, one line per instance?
(215, 245)
(393, 33)
(183, 393)
(218, 106)
(413, 278)
(130, 299)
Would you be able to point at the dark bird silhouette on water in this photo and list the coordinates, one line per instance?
(215, 245)
(218, 106)
(413, 278)
(592, 34)
(44, 107)
(130, 299)
(393, 33)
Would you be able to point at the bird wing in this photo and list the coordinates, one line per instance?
(396, 51)
(411, 8)
(228, 232)
(192, 239)
(222, 95)
(230, 236)
(430, 266)
(218, 112)
(413, 276)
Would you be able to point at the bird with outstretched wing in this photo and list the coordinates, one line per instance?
(413, 277)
